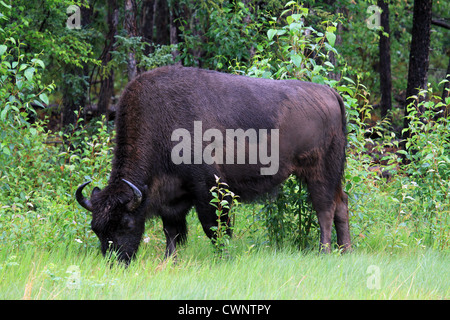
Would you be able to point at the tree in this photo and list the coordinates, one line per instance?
(107, 75)
(418, 57)
(131, 28)
(446, 91)
(444, 111)
(385, 60)
(75, 84)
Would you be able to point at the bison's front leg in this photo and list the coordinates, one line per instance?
(175, 230)
(210, 221)
(171, 243)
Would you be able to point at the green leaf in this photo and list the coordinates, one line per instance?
(6, 151)
(297, 60)
(271, 33)
(3, 49)
(5, 5)
(349, 80)
(29, 73)
(38, 103)
(39, 62)
(329, 64)
(295, 26)
(281, 32)
(4, 112)
(23, 66)
(331, 37)
(290, 3)
(43, 98)
(345, 89)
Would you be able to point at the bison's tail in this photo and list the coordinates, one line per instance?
(344, 132)
(344, 117)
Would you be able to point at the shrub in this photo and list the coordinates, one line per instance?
(225, 202)
(37, 179)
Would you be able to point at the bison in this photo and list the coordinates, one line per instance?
(159, 170)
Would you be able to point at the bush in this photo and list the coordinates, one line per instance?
(426, 189)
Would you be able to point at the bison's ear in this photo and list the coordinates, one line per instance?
(137, 198)
(95, 191)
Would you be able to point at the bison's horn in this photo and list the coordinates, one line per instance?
(84, 202)
(137, 199)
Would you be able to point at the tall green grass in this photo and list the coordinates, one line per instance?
(71, 273)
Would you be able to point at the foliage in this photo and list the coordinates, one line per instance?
(296, 50)
(428, 170)
(20, 81)
(227, 33)
(225, 202)
(289, 218)
(41, 29)
(37, 204)
(161, 55)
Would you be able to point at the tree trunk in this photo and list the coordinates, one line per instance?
(147, 24)
(418, 56)
(107, 81)
(161, 22)
(445, 91)
(332, 57)
(174, 26)
(444, 111)
(130, 27)
(385, 60)
(75, 84)
(74, 92)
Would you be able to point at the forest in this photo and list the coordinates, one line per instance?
(64, 64)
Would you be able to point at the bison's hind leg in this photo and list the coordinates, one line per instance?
(341, 220)
(330, 206)
(323, 175)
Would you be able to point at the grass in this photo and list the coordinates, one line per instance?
(74, 272)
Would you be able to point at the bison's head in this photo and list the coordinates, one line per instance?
(118, 217)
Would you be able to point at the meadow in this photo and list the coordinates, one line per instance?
(69, 271)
